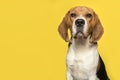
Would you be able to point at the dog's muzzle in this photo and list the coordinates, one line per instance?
(79, 23)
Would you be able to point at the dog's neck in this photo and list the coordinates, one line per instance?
(82, 43)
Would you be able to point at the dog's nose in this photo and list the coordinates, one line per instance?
(79, 22)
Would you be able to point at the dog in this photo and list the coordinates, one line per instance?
(83, 60)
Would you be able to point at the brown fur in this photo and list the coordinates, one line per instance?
(63, 27)
(94, 26)
(97, 31)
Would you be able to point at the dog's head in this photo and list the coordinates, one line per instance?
(82, 22)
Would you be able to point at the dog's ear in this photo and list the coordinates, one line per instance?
(64, 26)
(98, 30)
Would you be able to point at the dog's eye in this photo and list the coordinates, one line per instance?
(73, 15)
(88, 15)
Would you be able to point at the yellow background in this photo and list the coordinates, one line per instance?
(31, 48)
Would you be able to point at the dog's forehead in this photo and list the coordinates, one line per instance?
(81, 10)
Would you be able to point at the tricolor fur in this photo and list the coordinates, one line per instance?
(83, 60)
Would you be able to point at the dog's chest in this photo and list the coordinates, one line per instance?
(82, 62)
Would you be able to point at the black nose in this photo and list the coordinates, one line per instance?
(79, 22)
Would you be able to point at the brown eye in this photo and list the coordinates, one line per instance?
(88, 15)
(73, 15)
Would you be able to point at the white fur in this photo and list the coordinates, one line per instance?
(82, 61)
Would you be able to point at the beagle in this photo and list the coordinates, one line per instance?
(83, 60)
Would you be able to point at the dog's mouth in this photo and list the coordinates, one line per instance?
(79, 34)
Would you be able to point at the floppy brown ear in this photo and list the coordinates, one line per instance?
(97, 30)
(64, 26)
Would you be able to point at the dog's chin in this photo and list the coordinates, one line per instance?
(79, 35)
